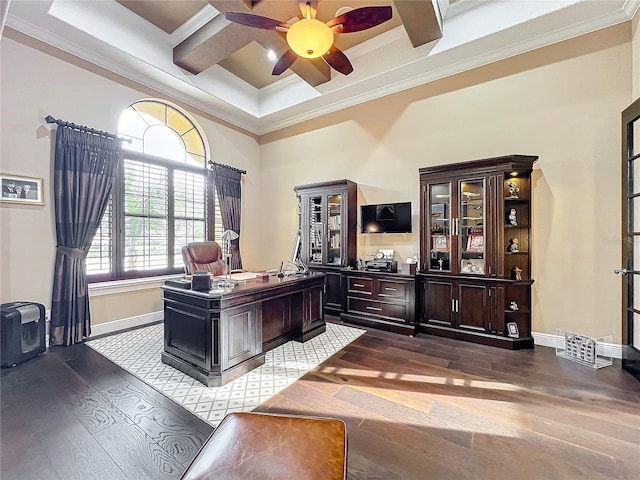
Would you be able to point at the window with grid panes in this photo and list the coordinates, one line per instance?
(163, 199)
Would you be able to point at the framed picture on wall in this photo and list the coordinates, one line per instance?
(19, 189)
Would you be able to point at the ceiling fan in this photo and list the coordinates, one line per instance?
(311, 38)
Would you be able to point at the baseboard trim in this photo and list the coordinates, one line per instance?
(550, 340)
(125, 323)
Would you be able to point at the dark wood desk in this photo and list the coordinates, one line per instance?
(217, 337)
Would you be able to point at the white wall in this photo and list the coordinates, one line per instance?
(36, 84)
(562, 103)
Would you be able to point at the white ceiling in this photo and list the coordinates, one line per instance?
(475, 33)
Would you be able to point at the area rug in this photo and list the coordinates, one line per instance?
(138, 352)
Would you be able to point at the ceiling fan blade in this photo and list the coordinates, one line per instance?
(360, 19)
(305, 5)
(284, 62)
(255, 21)
(338, 61)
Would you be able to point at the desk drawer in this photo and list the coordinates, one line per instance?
(391, 289)
(360, 285)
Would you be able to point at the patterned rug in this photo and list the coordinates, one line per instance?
(138, 352)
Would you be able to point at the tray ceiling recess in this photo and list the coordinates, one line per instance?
(189, 50)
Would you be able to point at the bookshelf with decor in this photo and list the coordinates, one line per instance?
(475, 273)
(328, 233)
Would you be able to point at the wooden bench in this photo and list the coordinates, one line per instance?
(265, 446)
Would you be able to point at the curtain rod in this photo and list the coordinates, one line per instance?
(228, 167)
(62, 123)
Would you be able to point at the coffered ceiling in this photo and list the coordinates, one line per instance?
(187, 49)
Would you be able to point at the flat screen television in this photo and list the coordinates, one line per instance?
(386, 218)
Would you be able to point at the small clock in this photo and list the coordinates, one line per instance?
(379, 256)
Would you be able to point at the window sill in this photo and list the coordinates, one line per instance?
(114, 287)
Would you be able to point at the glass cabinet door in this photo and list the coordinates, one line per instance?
(334, 229)
(471, 229)
(439, 227)
(315, 230)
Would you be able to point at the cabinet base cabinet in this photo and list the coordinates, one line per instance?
(379, 300)
(475, 310)
(332, 290)
(333, 281)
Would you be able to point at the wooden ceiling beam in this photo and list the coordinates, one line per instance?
(422, 20)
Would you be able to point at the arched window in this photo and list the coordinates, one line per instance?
(164, 197)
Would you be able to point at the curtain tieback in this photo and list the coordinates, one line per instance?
(73, 252)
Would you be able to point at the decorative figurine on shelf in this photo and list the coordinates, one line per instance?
(512, 218)
(440, 262)
(513, 306)
(516, 273)
(513, 189)
(513, 245)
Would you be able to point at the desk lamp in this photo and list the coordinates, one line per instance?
(227, 237)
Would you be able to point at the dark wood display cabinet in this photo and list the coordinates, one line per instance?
(475, 279)
(379, 300)
(327, 228)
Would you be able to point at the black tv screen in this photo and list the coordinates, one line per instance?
(386, 218)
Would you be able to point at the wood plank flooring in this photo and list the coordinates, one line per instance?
(415, 408)
(73, 414)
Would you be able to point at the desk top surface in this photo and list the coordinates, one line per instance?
(220, 290)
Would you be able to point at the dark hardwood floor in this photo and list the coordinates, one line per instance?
(415, 408)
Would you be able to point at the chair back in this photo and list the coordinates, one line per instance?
(203, 256)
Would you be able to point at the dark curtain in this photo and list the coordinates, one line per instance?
(227, 181)
(85, 170)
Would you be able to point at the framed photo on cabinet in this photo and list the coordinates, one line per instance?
(440, 243)
(475, 242)
(438, 211)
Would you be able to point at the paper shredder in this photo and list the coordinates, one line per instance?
(22, 332)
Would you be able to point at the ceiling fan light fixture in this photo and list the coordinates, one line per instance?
(310, 38)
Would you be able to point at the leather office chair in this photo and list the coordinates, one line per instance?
(203, 256)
